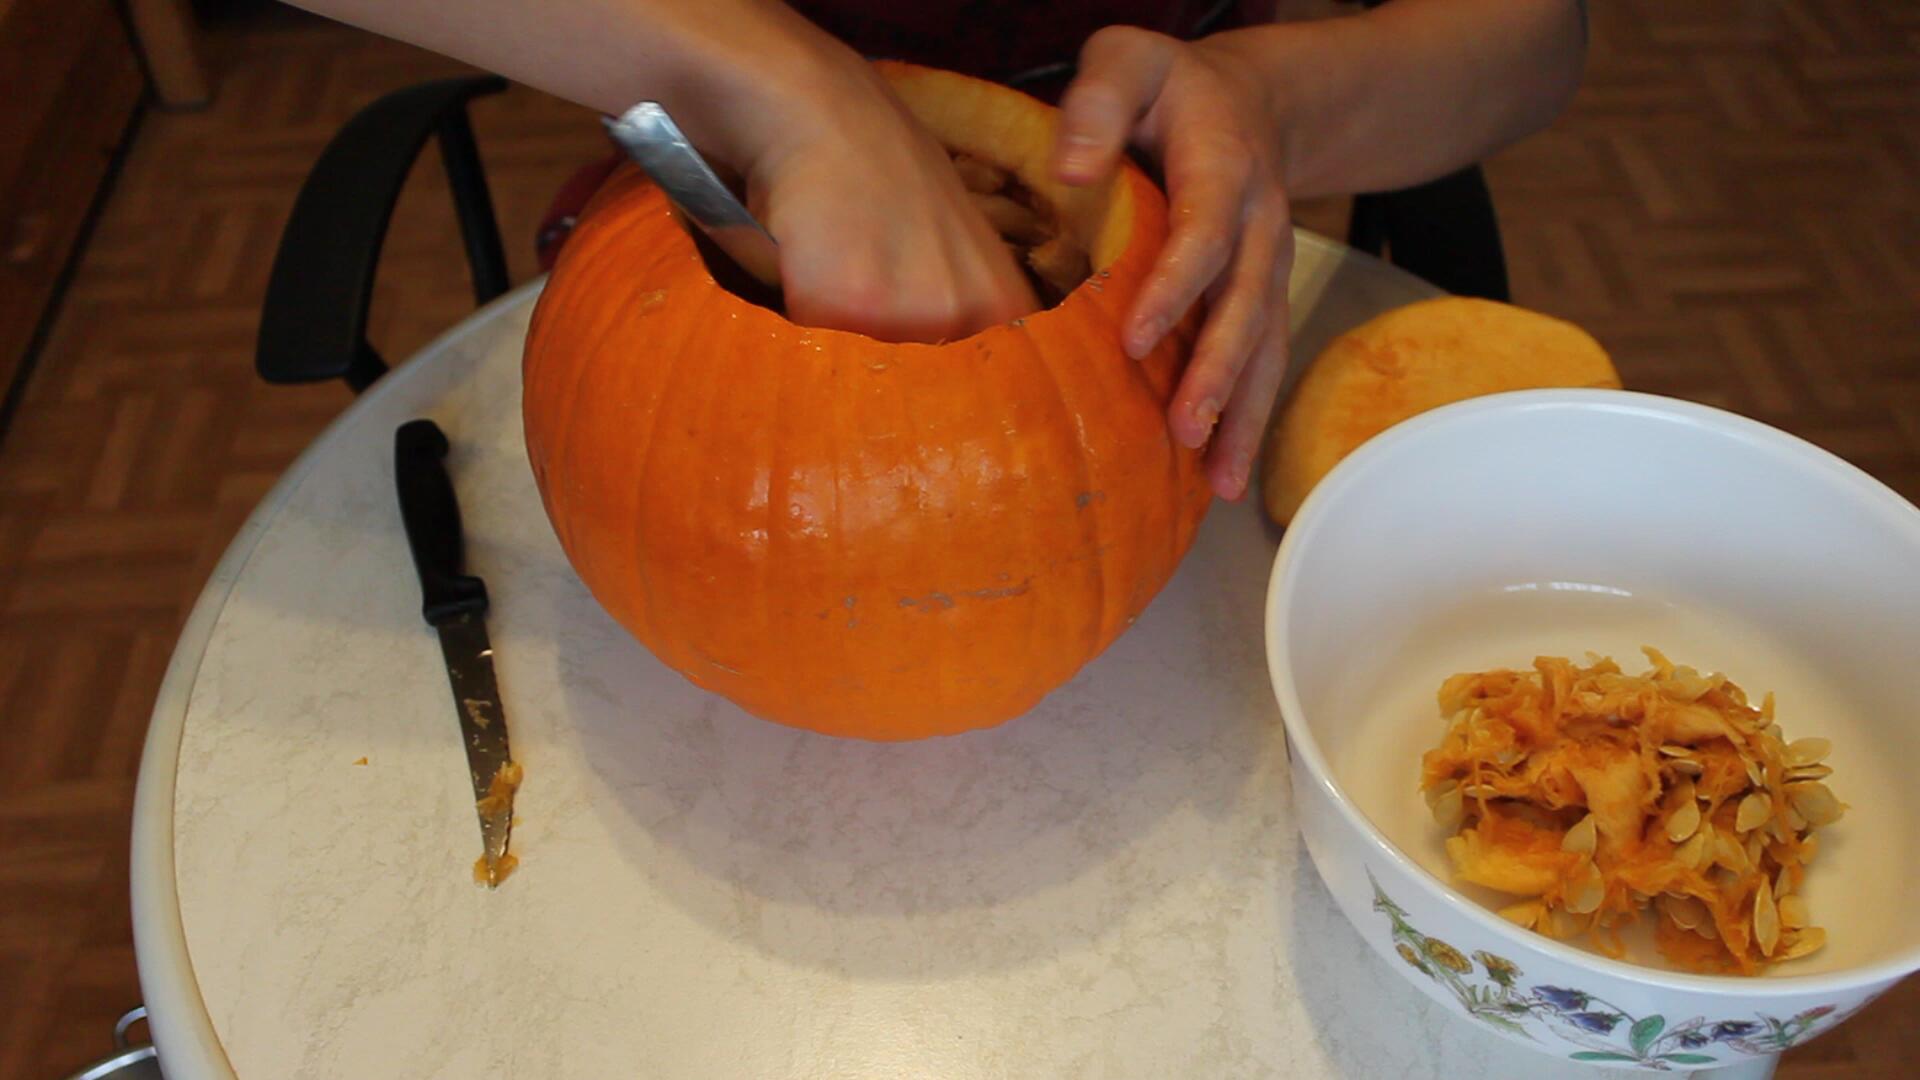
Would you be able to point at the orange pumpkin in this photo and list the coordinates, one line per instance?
(867, 539)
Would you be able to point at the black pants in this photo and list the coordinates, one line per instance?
(1443, 231)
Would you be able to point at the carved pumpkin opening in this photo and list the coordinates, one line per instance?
(1053, 258)
(1061, 236)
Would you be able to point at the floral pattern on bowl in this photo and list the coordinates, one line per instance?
(1488, 987)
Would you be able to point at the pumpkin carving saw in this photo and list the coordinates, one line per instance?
(862, 538)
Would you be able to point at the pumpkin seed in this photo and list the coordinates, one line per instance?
(1786, 825)
(1809, 772)
(1687, 767)
(1688, 684)
(1450, 809)
(1697, 852)
(1754, 773)
(1754, 811)
(1756, 846)
(1684, 822)
(1807, 941)
(1686, 912)
(1433, 793)
(1766, 919)
(1729, 854)
(1793, 911)
(1562, 924)
(1675, 750)
(1480, 791)
(1582, 837)
(1585, 889)
(1815, 801)
(1526, 914)
(1808, 751)
(1792, 819)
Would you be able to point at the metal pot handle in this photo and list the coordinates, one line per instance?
(120, 1026)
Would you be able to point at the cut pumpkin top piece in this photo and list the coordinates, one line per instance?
(1408, 361)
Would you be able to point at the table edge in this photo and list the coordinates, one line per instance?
(182, 1029)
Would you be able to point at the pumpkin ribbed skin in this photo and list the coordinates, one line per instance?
(867, 539)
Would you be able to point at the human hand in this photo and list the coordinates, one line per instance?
(1202, 111)
(877, 233)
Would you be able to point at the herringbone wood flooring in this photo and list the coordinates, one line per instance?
(1732, 205)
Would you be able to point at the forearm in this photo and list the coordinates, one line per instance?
(1413, 89)
(711, 62)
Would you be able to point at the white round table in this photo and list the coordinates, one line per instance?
(1109, 886)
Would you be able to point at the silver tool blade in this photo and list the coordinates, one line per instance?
(483, 728)
(657, 145)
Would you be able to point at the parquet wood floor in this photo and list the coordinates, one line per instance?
(1732, 205)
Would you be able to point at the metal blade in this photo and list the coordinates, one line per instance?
(483, 728)
(663, 151)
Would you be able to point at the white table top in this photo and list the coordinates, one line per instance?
(1109, 886)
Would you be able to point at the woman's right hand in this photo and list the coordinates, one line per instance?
(877, 233)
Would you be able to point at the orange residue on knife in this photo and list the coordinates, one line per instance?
(507, 864)
(499, 796)
(498, 800)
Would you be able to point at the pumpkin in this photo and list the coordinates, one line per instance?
(1409, 360)
(863, 538)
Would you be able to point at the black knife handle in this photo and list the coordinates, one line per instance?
(431, 515)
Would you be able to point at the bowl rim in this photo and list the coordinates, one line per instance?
(1353, 470)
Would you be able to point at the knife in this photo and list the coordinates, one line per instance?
(455, 603)
(656, 144)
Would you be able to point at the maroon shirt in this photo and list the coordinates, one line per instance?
(1032, 43)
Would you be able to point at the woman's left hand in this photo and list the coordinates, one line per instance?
(1203, 112)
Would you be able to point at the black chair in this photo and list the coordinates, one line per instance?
(313, 324)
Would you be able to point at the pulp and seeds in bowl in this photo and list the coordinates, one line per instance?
(1597, 796)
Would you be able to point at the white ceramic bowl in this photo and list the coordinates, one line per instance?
(1555, 522)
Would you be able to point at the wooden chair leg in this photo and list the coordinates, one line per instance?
(165, 33)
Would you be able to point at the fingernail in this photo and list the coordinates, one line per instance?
(1145, 338)
(1233, 485)
(1075, 154)
(1205, 415)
